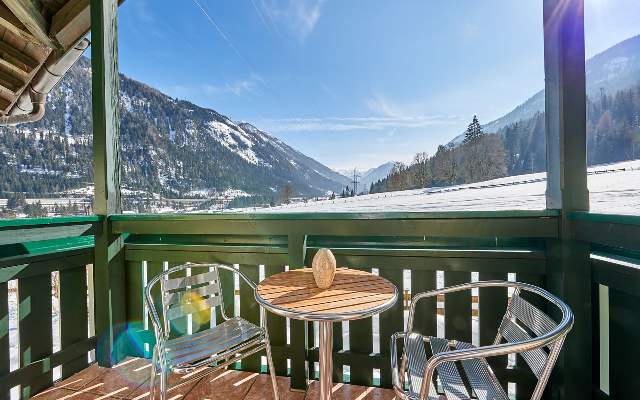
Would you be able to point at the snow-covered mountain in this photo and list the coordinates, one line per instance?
(367, 177)
(168, 146)
(375, 174)
(615, 69)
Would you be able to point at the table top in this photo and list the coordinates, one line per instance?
(354, 294)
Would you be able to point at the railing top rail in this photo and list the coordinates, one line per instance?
(49, 221)
(605, 218)
(344, 216)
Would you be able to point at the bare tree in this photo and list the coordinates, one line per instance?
(287, 193)
(421, 170)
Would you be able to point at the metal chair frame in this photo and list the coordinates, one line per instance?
(552, 339)
(215, 361)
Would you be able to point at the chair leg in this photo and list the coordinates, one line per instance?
(272, 371)
(164, 377)
(154, 371)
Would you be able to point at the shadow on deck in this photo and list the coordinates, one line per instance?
(130, 380)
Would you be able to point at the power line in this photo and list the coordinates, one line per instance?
(222, 34)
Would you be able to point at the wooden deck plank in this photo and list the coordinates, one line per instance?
(96, 382)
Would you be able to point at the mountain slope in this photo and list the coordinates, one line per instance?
(615, 69)
(375, 174)
(168, 146)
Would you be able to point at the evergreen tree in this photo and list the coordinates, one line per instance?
(474, 131)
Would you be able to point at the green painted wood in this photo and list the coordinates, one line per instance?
(565, 105)
(220, 240)
(569, 277)
(73, 315)
(12, 254)
(105, 110)
(4, 337)
(457, 308)
(425, 320)
(109, 292)
(298, 330)
(321, 216)
(391, 321)
(603, 218)
(250, 310)
(38, 369)
(361, 342)
(338, 346)
(445, 263)
(158, 253)
(492, 306)
(135, 308)
(108, 271)
(34, 313)
(42, 233)
(604, 233)
(624, 325)
(620, 273)
(29, 266)
(546, 227)
(277, 327)
(34, 222)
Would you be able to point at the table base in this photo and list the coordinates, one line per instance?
(326, 359)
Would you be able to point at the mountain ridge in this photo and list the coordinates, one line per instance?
(168, 147)
(611, 70)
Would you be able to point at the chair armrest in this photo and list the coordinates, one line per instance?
(397, 379)
(489, 351)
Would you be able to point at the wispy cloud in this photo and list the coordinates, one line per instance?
(386, 115)
(237, 88)
(299, 17)
(240, 87)
(371, 123)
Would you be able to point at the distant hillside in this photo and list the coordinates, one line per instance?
(615, 69)
(169, 147)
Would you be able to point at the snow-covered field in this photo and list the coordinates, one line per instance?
(614, 188)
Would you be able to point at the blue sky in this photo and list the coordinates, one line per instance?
(352, 83)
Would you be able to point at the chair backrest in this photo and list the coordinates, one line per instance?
(195, 294)
(523, 321)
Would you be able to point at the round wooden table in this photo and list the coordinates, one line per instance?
(354, 294)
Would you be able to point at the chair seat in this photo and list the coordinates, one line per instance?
(480, 377)
(227, 337)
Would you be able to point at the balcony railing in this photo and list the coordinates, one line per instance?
(414, 251)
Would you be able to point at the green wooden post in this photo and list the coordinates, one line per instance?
(298, 329)
(109, 261)
(569, 272)
(5, 365)
(73, 315)
(34, 313)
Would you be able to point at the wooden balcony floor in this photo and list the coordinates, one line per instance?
(130, 380)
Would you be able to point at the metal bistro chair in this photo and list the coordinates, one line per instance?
(216, 347)
(525, 329)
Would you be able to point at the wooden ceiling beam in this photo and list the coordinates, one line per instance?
(30, 13)
(16, 60)
(13, 24)
(10, 82)
(71, 23)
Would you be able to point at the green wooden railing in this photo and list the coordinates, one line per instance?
(30, 251)
(411, 250)
(615, 269)
(396, 244)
